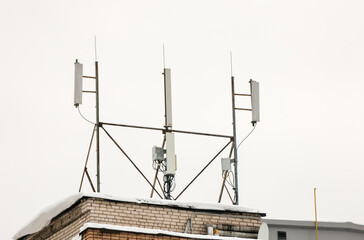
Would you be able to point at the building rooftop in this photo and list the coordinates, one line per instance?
(46, 216)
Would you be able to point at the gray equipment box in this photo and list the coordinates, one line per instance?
(225, 164)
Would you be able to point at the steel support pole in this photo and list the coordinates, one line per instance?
(236, 190)
(97, 125)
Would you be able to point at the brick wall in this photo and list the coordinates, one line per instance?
(93, 234)
(170, 218)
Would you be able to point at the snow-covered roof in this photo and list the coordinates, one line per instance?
(349, 226)
(46, 216)
(151, 231)
(179, 204)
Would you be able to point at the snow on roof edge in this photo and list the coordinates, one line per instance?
(46, 216)
(188, 205)
(151, 231)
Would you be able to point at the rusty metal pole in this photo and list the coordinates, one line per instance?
(236, 187)
(155, 179)
(222, 186)
(97, 125)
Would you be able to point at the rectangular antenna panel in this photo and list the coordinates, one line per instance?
(78, 83)
(171, 159)
(168, 96)
(254, 90)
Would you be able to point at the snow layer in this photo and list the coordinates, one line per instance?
(45, 217)
(151, 231)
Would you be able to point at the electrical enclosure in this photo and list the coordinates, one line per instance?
(225, 164)
(157, 154)
(254, 90)
(78, 83)
(171, 159)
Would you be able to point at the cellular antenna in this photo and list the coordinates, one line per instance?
(235, 160)
(79, 77)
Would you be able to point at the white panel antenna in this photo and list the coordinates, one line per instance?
(254, 90)
(168, 96)
(78, 83)
(171, 158)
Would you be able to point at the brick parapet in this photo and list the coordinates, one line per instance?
(104, 234)
(67, 225)
(166, 217)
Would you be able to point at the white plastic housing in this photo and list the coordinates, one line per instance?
(171, 159)
(210, 230)
(168, 94)
(254, 90)
(225, 164)
(78, 83)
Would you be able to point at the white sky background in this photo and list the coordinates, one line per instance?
(307, 56)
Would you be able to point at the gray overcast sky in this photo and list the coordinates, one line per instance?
(307, 56)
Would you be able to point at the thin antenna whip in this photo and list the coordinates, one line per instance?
(231, 63)
(95, 49)
(164, 58)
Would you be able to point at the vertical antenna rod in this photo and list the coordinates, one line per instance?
(97, 125)
(236, 187)
(95, 48)
(164, 58)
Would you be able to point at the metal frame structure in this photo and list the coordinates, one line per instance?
(167, 129)
(96, 128)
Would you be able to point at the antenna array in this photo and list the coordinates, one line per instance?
(164, 158)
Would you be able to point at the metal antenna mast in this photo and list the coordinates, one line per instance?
(97, 118)
(97, 124)
(254, 95)
(236, 187)
(78, 100)
(169, 173)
